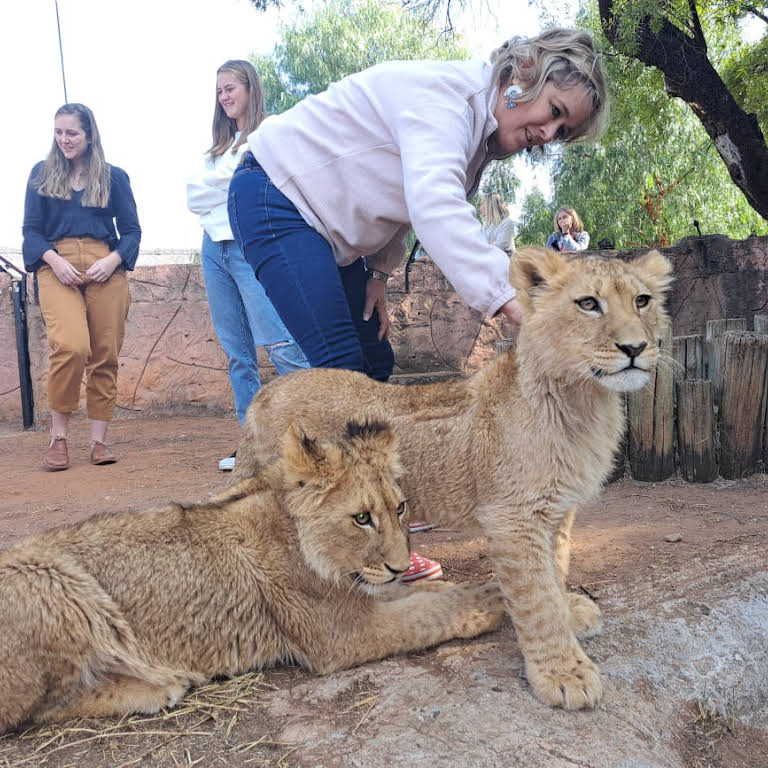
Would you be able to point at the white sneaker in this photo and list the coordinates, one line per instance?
(228, 464)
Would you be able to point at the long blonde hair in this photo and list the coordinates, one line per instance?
(224, 128)
(567, 58)
(495, 210)
(578, 225)
(53, 179)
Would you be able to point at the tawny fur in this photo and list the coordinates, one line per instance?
(123, 612)
(516, 446)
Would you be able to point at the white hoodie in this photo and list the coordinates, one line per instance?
(399, 145)
(208, 188)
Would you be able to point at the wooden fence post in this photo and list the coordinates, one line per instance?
(715, 330)
(688, 352)
(651, 418)
(742, 408)
(695, 433)
(761, 326)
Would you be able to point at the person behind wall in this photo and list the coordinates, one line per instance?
(242, 315)
(498, 228)
(322, 202)
(74, 199)
(569, 234)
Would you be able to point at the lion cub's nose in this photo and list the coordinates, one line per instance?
(632, 350)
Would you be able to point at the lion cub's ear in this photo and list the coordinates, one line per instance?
(307, 460)
(531, 269)
(656, 270)
(373, 437)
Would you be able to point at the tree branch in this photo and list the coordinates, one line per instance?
(756, 12)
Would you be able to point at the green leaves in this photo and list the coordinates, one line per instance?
(343, 37)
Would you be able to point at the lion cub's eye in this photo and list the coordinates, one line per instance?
(363, 518)
(401, 509)
(588, 304)
(642, 301)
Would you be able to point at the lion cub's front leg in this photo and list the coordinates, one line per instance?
(558, 670)
(586, 617)
(420, 620)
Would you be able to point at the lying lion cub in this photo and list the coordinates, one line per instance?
(516, 446)
(122, 613)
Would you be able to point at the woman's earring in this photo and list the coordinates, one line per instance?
(511, 95)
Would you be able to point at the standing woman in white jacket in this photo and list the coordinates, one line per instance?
(243, 316)
(497, 226)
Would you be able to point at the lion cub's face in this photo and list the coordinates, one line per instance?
(350, 514)
(593, 318)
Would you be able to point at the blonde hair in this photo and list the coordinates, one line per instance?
(578, 226)
(53, 178)
(565, 57)
(495, 210)
(224, 128)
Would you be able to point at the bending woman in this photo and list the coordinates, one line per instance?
(74, 199)
(346, 173)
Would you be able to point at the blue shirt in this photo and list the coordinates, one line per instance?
(47, 219)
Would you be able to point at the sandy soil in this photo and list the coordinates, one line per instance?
(634, 531)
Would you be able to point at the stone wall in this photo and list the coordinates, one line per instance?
(171, 360)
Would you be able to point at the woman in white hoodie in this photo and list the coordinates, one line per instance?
(243, 316)
(345, 174)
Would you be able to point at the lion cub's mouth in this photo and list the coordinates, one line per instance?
(627, 379)
(360, 578)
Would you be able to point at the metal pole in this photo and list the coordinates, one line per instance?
(19, 288)
(61, 53)
(22, 352)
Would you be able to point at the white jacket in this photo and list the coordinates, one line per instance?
(399, 145)
(207, 192)
(502, 235)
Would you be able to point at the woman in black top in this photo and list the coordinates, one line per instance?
(74, 199)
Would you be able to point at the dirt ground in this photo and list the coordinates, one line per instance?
(635, 532)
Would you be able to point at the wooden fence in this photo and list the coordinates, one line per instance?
(704, 412)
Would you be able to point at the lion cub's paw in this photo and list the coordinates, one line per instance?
(586, 617)
(176, 690)
(570, 683)
(482, 608)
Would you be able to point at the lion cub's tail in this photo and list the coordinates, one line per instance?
(58, 624)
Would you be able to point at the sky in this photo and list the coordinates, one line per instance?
(147, 69)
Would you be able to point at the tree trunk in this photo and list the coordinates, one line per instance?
(689, 75)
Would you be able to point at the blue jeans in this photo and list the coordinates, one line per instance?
(320, 303)
(244, 319)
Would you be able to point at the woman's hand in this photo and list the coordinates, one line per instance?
(64, 271)
(376, 298)
(513, 311)
(102, 270)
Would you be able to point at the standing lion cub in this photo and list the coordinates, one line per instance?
(122, 613)
(516, 446)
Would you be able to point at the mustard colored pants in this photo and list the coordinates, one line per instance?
(85, 326)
